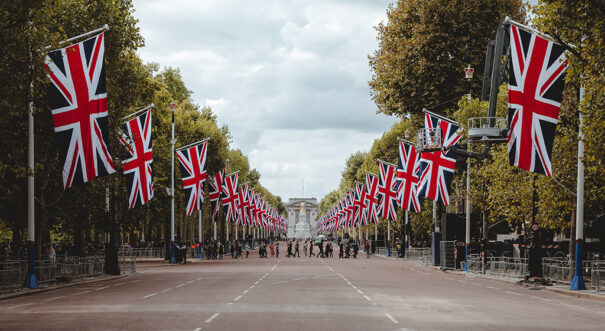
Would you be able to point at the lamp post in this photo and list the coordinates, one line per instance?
(172, 142)
(468, 74)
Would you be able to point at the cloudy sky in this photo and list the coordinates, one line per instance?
(289, 79)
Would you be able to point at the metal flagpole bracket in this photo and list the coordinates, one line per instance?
(192, 144)
(138, 111)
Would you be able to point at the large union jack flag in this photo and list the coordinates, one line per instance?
(372, 198)
(136, 137)
(387, 191)
(230, 198)
(535, 89)
(360, 205)
(407, 176)
(436, 169)
(193, 170)
(244, 205)
(79, 109)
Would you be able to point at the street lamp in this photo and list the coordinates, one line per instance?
(406, 134)
(468, 74)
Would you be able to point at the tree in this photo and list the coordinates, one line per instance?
(424, 47)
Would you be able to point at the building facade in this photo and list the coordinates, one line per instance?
(294, 207)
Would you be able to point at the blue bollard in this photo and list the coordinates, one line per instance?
(466, 258)
(172, 259)
(199, 254)
(577, 284)
(30, 281)
(388, 249)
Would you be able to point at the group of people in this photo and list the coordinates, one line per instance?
(345, 250)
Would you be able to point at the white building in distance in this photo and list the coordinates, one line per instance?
(311, 212)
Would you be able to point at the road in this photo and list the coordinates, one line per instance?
(299, 294)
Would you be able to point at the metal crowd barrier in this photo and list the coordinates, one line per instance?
(13, 273)
(151, 252)
(74, 266)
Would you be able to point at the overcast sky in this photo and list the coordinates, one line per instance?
(289, 79)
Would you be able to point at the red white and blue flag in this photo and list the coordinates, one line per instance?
(78, 99)
(407, 176)
(360, 205)
(216, 186)
(229, 197)
(535, 89)
(436, 169)
(192, 162)
(372, 197)
(136, 137)
(243, 205)
(387, 191)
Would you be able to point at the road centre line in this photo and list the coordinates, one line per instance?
(55, 298)
(81, 292)
(149, 295)
(391, 318)
(275, 266)
(238, 297)
(494, 288)
(166, 290)
(367, 297)
(358, 291)
(197, 329)
(477, 284)
(513, 292)
(100, 288)
(212, 317)
(535, 297)
(329, 267)
(200, 278)
(180, 285)
(21, 305)
(246, 291)
(118, 284)
(567, 304)
(189, 282)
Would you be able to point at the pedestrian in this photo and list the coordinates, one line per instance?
(305, 248)
(348, 250)
(232, 249)
(321, 249)
(247, 249)
(366, 247)
(340, 249)
(220, 250)
(311, 249)
(289, 249)
(296, 252)
(272, 248)
(329, 250)
(355, 249)
(277, 250)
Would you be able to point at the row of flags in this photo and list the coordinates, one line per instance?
(79, 110)
(535, 88)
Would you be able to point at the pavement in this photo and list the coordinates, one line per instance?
(299, 294)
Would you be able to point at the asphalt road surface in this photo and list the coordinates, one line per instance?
(299, 294)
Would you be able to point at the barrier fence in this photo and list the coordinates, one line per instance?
(151, 252)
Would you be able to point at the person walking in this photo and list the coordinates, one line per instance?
(247, 249)
(305, 248)
(296, 251)
(289, 249)
(340, 249)
(355, 249)
(277, 251)
(366, 247)
(311, 249)
(321, 249)
(220, 250)
(272, 248)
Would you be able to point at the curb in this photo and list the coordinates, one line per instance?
(52, 287)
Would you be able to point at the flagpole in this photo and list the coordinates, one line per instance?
(578, 280)
(199, 254)
(31, 281)
(388, 238)
(172, 142)
(468, 213)
(215, 231)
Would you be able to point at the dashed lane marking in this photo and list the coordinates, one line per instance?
(149, 295)
(166, 290)
(358, 291)
(513, 292)
(275, 266)
(493, 288)
(55, 298)
(197, 329)
(212, 317)
(180, 285)
(329, 267)
(189, 282)
(230, 303)
(246, 291)
(81, 292)
(200, 278)
(280, 282)
(21, 305)
(391, 318)
(535, 297)
(461, 281)
(567, 304)
(101, 288)
(477, 284)
(238, 297)
(118, 284)
(367, 298)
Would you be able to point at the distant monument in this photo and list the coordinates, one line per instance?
(302, 215)
(301, 230)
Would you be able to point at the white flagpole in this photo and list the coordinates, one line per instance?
(199, 255)
(214, 231)
(388, 241)
(172, 142)
(578, 279)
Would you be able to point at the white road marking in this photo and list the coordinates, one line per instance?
(149, 295)
(200, 278)
(535, 297)
(461, 281)
(341, 276)
(513, 292)
(230, 303)
(189, 282)
(100, 288)
(280, 282)
(251, 287)
(55, 298)
(374, 303)
(246, 291)
(132, 281)
(180, 285)
(494, 288)
(267, 274)
(81, 292)
(563, 303)
(329, 267)
(275, 266)
(212, 317)
(391, 318)
(449, 278)
(166, 290)
(118, 284)
(477, 284)
(358, 291)
(17, 306)
(298, 278)
(367, 298)
(238, 297)
(353, 286)
(197, 329)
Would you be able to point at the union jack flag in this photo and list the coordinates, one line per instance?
(350, 208)
(136, 137)
(407, 170)
(229, 197)
(215, 192)
(243, 205)
(387, 191)
(372, 198)
(79, 109)
(436, 169)
(360, 204)
(193, 170)
(252, 209)
(535, 89)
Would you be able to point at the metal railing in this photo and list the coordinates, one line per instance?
(151, 252)
(70, 267)
(13, 273)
